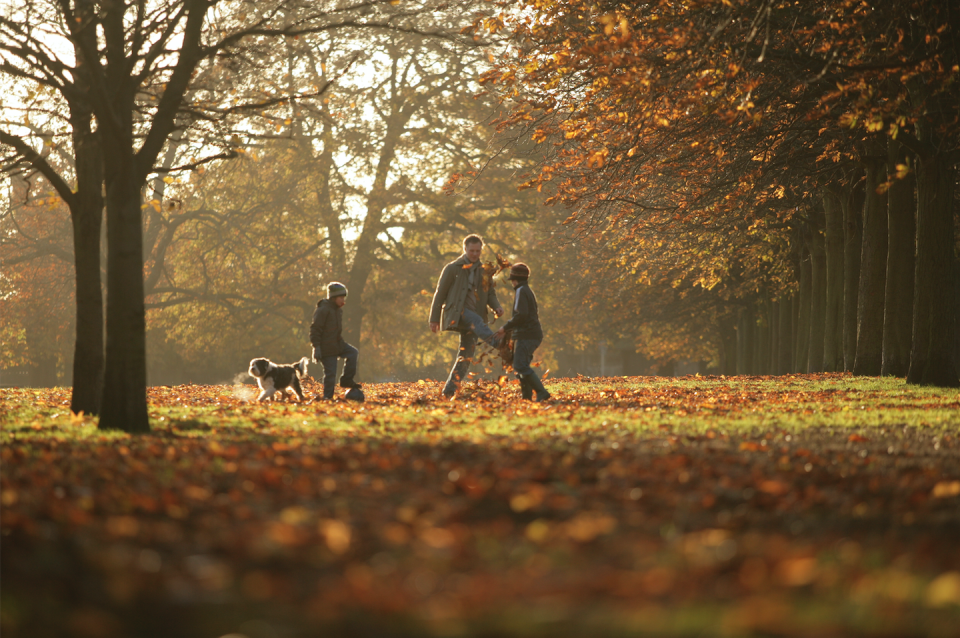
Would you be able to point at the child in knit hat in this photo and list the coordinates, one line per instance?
(328, 344)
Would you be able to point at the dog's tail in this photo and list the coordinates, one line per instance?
(301, 367)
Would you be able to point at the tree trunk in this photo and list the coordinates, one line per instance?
(746, 329)
(728, 345)
(773, 318)
(802, 325)
(902, 243)
(124, 405)
(756, 338)
(329, 216)
(833, 246)
(934, 307)
(87, 219)
(873, 267)
(818, 298)
(43, 362)
(852, 240)
(786, 334)
(365, 254)
(763, 338)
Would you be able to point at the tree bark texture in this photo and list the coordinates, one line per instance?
(852, 240)
(87, 219)
(728, 345)
(773, 318)
(747, 341)
(802, 325)
(818, 298)
(934, 308)
(833, 246)
(901, 246)
(763, 337)
(43, 362)
(124, 404)
(873, 267)
(786, 335)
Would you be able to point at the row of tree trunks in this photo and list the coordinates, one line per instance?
(877, 279)
(765, 339)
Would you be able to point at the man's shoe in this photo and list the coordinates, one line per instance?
(537, 385)
(354, 394)
(349, 384)
(526, 390)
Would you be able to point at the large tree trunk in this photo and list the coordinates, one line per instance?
(901, 239)
(873, 266)
(818, 298)
(87, 219)
(802, 325)
(365, 254)
(833, 246)
(934, 307)
(124, 405)
(852, 240)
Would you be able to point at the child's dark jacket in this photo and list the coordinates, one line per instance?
(525, 322)
(326, 329)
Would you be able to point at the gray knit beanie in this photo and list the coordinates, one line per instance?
(336, 289)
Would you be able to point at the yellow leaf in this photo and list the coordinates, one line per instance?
(337, 535)
(946, 489)
(944, 590)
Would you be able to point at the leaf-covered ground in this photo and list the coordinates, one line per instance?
(806, 505)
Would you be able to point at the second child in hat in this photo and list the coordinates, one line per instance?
(527, 332)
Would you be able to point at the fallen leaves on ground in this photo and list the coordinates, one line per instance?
(733, 506)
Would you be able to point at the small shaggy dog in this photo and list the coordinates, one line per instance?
(278, 378)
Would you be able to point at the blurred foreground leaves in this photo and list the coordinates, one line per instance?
(813, 504)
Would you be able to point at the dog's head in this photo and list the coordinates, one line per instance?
(301, 367)
(259, 367)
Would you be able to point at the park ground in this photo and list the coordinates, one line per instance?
(805, 505)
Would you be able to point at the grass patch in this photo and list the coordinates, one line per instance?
(797, 505)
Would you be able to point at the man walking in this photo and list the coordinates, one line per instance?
(327, 339)
(460, 303)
